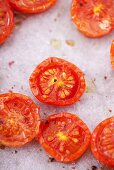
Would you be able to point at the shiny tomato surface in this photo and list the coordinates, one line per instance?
(6, 21)
(93, 18)
(19, 119)
(64, 136)
(102, 143)
(32, 6)
(112, 54)
(57, 82)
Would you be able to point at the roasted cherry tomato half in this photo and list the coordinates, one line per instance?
(93, 18)
(64, 136)
(6, 21)
(112, 54)
(32, 6)
(57, 82)
(102, 143)
(19, 119)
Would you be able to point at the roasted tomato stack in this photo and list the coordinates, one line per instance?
(64, 136)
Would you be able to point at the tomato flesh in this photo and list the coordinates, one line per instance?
(112, 54)
(32, 6)
(57, 82)
(18, 119)
(93, 18)
(6, 21)
(102, 143)
(64, 136)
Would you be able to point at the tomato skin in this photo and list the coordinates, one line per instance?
(96, 148)
(32, 8)
(112, 54)
(7, 27)
(19, 119)
(48, 127)
(51, 99)
(91, 22)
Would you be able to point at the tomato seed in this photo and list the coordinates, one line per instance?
(50, 138)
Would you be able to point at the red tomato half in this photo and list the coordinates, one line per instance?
(19, 119)
(57, 82)
(64, 136)
(93, 18)
(32, 6)
(6, 21)
(102, 143)
(112, 54)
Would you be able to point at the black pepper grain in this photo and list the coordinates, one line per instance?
(16, 152)
(51, 159)
(105, 77)
(94, 168)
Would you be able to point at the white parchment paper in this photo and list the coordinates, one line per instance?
(32, 42)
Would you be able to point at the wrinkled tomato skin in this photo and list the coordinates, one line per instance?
(32, 9)
(53, 148)
(54, 62)
(100, 151)
(9, 23)
(19, 119)
(89, 20)
(112, 54)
